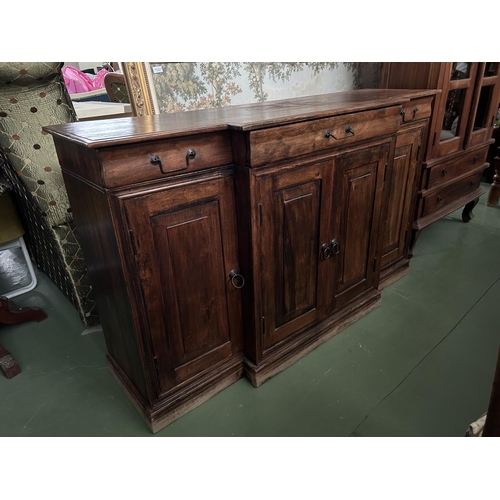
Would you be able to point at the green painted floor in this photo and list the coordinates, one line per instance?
(422, 364)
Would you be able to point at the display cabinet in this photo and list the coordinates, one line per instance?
(459, 133)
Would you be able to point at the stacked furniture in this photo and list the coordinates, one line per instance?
(33, 95)
(459, 137)
(235, 240)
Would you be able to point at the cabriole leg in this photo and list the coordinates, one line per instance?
(467, 214)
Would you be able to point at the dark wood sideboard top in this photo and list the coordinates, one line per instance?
(112, 132)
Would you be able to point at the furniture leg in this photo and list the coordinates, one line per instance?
(467, 214)
(8, 364)
(415, 233)
(494, 192)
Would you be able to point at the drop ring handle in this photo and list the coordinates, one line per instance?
(402, 113)
(155, 160)
(234, 276)
(326, 251)
(335, 247)
(348, 130)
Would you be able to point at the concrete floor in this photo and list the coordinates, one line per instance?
(420, 365)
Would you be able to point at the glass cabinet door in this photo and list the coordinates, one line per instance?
(452, 118)
(485, 104)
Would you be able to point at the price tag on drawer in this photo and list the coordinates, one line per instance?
(157, 69)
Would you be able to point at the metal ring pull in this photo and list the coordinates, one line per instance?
(402, 113)
(233, 275)
(335, 246)
(348, 130)
(155, 160)
(326, 251)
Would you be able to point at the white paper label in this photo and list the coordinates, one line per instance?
(157, 69)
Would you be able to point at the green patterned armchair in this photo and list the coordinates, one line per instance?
(33, 95)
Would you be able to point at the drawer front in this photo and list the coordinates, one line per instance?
(148, 161)
(417, 109)
(451, 169)
(274, 144)
(441, 197)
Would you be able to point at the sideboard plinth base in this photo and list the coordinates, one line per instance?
(309, 339)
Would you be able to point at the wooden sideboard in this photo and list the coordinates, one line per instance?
(235, 240)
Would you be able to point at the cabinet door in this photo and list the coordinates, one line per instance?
(484, 104)
(450, 124)
(184, 241)
(357, 202)
(295, 271)
(399, 194)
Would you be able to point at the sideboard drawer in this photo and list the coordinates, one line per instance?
(417, 109)
(277, 143)
(451, 169)
(441, 197)
(123, 165)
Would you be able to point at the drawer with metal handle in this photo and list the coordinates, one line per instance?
(446, 171)
(417, 109)
(159, 159)
(271, 145)
(437, 199)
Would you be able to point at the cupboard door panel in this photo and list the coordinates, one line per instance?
(189, 245)
(298, 210)
(185, 247)
(296, 221)
(358, 190)
(400, 183)
(397, 193)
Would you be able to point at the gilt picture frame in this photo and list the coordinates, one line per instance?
(138, 78)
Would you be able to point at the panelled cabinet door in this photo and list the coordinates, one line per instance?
(451, 117)
(358, 186)
(399, 195)
(295, 248)
(484, 104)
(184, 241)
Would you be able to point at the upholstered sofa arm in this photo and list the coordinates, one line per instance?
(33, 95)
